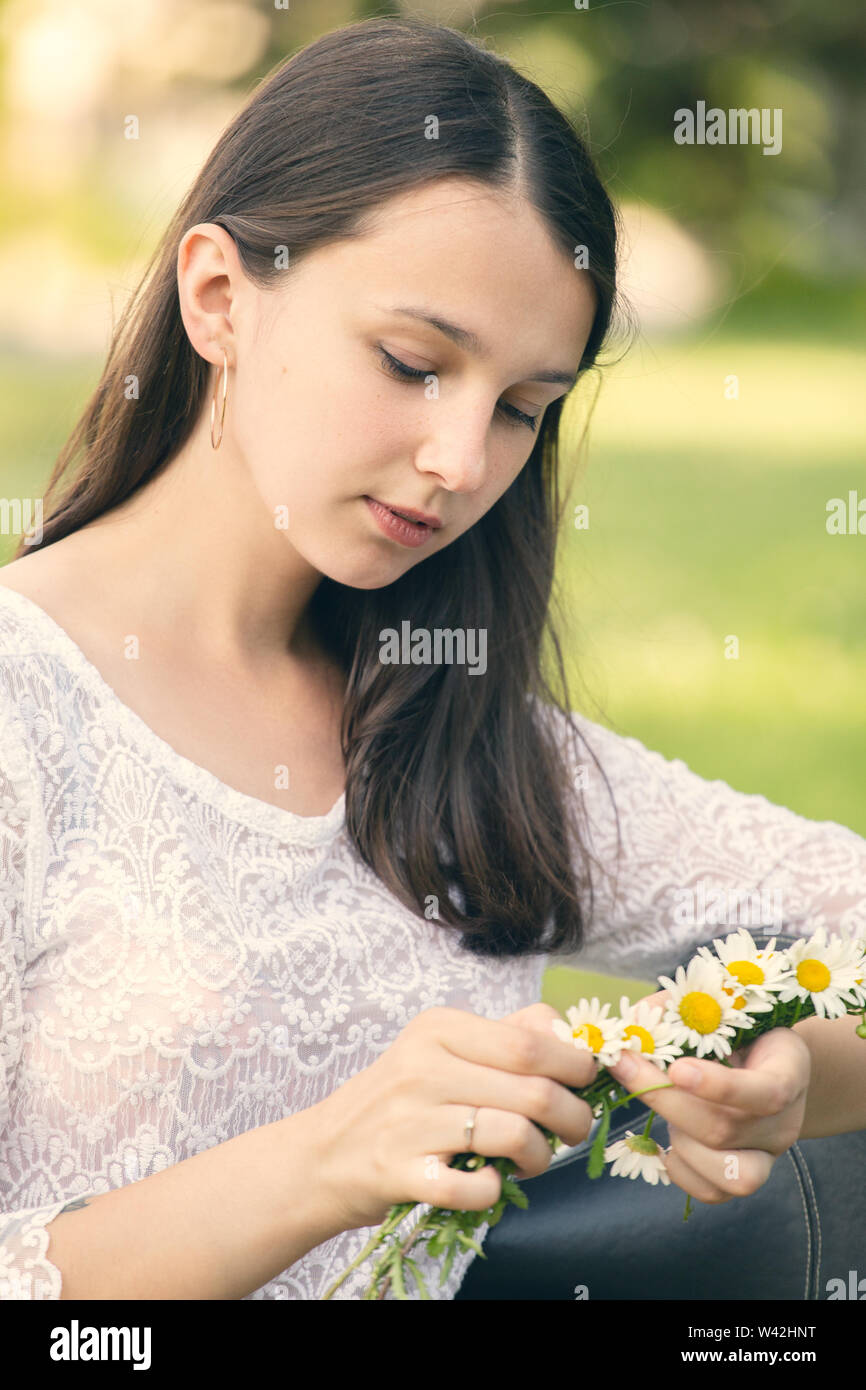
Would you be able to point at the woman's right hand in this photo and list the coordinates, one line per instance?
(388, 1133)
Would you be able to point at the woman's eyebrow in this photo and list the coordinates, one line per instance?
(470, 341)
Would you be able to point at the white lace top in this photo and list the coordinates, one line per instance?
(181, 962)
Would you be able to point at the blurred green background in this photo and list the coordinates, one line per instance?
(715, 444)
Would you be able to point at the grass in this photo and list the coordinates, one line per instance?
(707, 520)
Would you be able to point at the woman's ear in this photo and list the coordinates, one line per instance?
(209, 279)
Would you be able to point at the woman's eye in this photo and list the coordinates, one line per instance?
(403, 373)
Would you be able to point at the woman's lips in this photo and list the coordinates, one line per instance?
(409, 513)
(397, 528)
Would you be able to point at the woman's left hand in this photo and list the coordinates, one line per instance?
(727, 1130)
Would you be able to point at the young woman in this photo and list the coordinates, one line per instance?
(281, 875)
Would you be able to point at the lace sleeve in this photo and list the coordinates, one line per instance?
(25, 1273)
(697, 859)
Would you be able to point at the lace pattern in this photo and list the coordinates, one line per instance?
(181, 962)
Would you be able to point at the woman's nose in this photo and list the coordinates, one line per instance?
(456, 451)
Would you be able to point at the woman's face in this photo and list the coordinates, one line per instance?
(329, 432)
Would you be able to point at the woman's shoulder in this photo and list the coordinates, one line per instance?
(620, 753)
(38, 593)
(35, 653)
(583, 740)
(42, 576)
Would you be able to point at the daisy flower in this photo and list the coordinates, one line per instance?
(858, 946)
(646, 1031)
(637, 1156)
(699, 1008)
(589, 1027)
(830, 973)
(754, 977)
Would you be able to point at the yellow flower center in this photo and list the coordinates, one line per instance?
(740, 1000)
(591, 1035)
(647, 1041)
(813, 975)
(700, 1011)
(746, 971)
(642, 1144)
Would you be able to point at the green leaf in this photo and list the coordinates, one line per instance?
(471, 1244)
(418, 1277)
(446, 1268)
(595, 1167)
(436, 1244)
(397, 1277)
(512, 1193)
(445, 1234)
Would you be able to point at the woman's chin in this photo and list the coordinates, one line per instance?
(361, 578)
(366, 571)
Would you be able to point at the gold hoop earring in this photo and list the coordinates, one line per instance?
(213, 403)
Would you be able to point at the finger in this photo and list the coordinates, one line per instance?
(771, 1078)
(496, 1134)
(635, 1072)
(714, 1124)
(718, 1126)
(538, 1018)
(534, 1015)
(736, 1172)
(692, 1181)
(510, 1047)
(772, 1075)
(661, 996)
(538, 1098)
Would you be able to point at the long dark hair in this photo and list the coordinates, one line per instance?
(457, 791)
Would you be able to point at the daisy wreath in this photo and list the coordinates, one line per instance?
(722, 999)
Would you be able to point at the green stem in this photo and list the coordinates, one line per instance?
(406, 1247)
(389, 1225)
(649, 1124)
(632, 1095)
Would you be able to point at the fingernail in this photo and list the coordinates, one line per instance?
(688, 1074)
(626, 1066)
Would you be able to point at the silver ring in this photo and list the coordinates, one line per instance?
(468, 1129)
